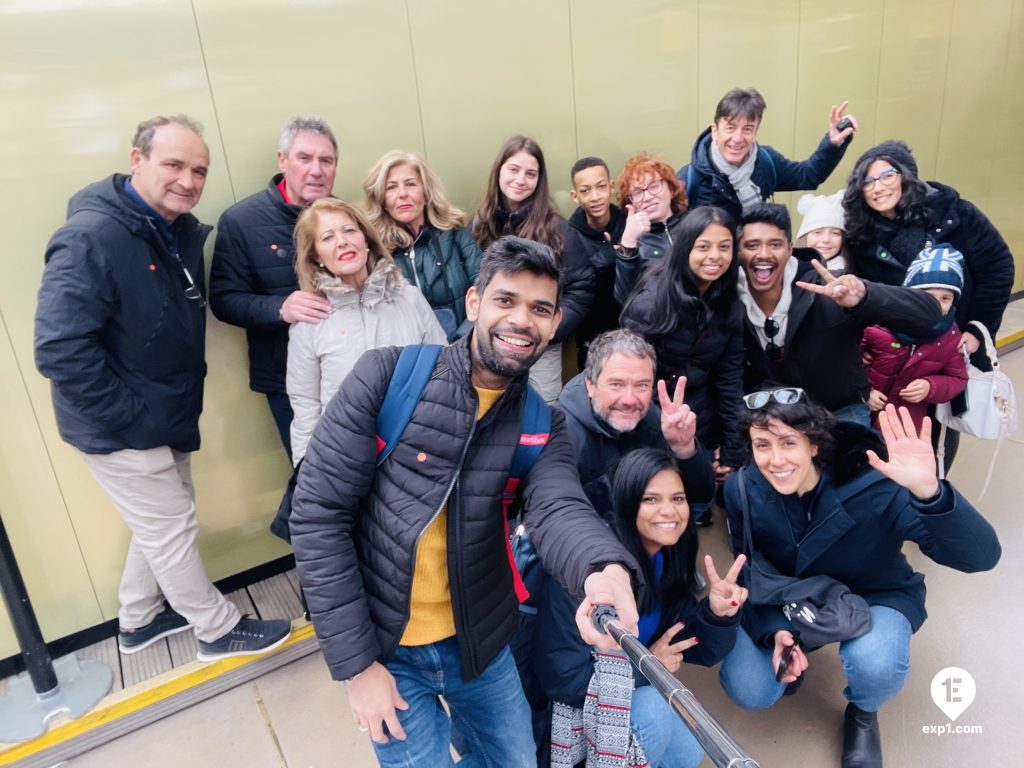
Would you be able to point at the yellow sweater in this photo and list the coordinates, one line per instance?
(430, 605)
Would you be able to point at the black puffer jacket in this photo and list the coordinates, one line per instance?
(821, 351)
(988, 263)
(447, 263)
(121, 344)
(253, 272)
(355, 528)
(707, 348)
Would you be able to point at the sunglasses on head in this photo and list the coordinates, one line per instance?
(782, 396)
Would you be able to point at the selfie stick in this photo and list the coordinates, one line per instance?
(720, 747)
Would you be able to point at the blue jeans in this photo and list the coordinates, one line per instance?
(667, 742)
(876, 665)
(492, 713)
(281, 410)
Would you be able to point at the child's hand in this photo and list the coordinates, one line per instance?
(876, 400)
(916, 391)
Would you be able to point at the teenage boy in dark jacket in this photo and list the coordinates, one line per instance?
(405, 566)
(728, 168)
(595, 228)
(802, 325)
(252, 278)
(121, 335)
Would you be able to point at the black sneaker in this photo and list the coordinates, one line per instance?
(168, 622)
(250, 637)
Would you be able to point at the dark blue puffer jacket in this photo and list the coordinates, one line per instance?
(117, 337)
(773, 173)
(252, 273)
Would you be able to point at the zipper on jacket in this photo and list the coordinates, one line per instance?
(430, 522)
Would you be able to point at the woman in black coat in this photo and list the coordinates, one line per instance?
(650, 515)
(891, 214)
(686, 306)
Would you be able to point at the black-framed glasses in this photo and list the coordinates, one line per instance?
(782, 396)
(888, 179)
(771, 329)
(787, 657)
(637, 194)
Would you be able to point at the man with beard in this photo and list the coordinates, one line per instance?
(608, 412)
(405, 566)
(803, 325)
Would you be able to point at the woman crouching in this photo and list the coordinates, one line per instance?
(651, 517)
(822, 501)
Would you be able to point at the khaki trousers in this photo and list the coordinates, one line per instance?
(153, 492)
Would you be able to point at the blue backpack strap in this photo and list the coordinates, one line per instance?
(534, 435)
(412, 372)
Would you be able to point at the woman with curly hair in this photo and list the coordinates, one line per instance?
(830, 499)
(655, 202)
(892, 215)
(518, 202)
(407, 204)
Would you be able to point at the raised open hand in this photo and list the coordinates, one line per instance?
(678, 422)
(846, 290)
(725, 596)
(911, 458)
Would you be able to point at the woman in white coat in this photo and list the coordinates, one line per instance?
(340, 256)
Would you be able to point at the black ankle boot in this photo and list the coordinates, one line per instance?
(862, 744)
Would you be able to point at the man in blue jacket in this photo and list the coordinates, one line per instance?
(252, 278)
(120, 333)
(728, 168)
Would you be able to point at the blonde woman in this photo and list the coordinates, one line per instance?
(424, 233)
(340, 256)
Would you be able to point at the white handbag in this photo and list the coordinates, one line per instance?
(991, 404)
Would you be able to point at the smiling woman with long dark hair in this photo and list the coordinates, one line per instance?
(686, 306)
(650, 515)
(518, 202)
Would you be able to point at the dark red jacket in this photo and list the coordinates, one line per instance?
(895, 364)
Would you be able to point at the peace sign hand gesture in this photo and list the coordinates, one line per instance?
(725, 596)
(848, 291)
(678, 422)
(911, 458)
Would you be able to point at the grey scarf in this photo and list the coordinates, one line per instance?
(739, 175)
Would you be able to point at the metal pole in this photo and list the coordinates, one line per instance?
(26, 628)
(66, 687)
(720, 747)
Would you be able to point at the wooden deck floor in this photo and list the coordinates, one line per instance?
(274, 598)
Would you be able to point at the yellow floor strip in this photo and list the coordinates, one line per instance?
(131, 700)
(1013, 338)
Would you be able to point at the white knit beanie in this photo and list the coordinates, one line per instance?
(820, 211)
